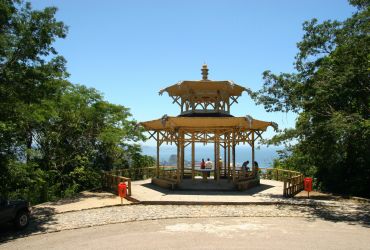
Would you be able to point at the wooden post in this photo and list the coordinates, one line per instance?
(284, 190)
(157, 154)
(129, 187)
(182, 155)
(253, 166)
(228, 157)
(218, 159)
(233, 149)
(215, 157)
(192, 157)
(225, 175)
(178, 159)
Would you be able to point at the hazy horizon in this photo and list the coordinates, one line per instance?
(263, 155)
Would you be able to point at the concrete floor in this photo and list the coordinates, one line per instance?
(268, 191)
(198, 184)
(147, 192)
(206, 233)
(84, 200)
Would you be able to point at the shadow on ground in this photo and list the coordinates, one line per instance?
(40, 218)
(98, 194)
(352, 213)
(248, 192)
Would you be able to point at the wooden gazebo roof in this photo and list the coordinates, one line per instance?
(205, 123)
(205, 118)
(190, 94)
(205, 87)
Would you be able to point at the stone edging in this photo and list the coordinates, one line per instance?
(209, 203)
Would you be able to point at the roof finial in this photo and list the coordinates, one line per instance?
(205, 72)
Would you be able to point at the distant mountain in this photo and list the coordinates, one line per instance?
(264, 155)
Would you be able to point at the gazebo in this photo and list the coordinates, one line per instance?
(205, 118)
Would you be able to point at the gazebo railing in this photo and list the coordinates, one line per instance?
(111, 181)
(293, 185)
(135, 173)
(168, 172)
(293, 180)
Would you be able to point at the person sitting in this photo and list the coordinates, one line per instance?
(209, 164)
(256, 166)
(245, 168)
(203, 164)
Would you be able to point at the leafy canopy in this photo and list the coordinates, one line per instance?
(55, 137)
(330, 92)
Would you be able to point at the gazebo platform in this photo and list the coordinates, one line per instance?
(268, 191)
(210, 184)
(199, 184)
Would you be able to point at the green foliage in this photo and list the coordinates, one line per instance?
(55, 137)
(139, 162)
(330, 91)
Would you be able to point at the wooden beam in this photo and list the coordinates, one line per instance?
(253, 166)
(228, 158)
(176, 100)
(234, 99)
(152, 135)
(215, 159)
(158, 144)
(178, 161)
(182, 155)
(233, 149)
(218, 158)
(186, 143)
(259, 135)
(225, 159)
(192, 158)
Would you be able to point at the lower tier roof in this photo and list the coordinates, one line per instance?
(206, 123)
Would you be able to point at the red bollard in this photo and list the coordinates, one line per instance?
(122, 190)
(308, 185)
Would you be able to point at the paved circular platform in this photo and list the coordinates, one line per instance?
(268, 190)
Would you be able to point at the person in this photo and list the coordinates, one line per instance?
(256, 166)
(209, 165)
(245, 166)
(203, 164)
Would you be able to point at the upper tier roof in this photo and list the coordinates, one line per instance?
(206, 87)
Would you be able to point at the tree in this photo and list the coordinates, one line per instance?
(330, 92)
(86, 135)
(55, 137)
(31, 76)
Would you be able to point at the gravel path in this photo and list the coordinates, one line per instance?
(120, 214)
(45, 222)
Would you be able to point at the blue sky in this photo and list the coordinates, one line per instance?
(129, 50)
